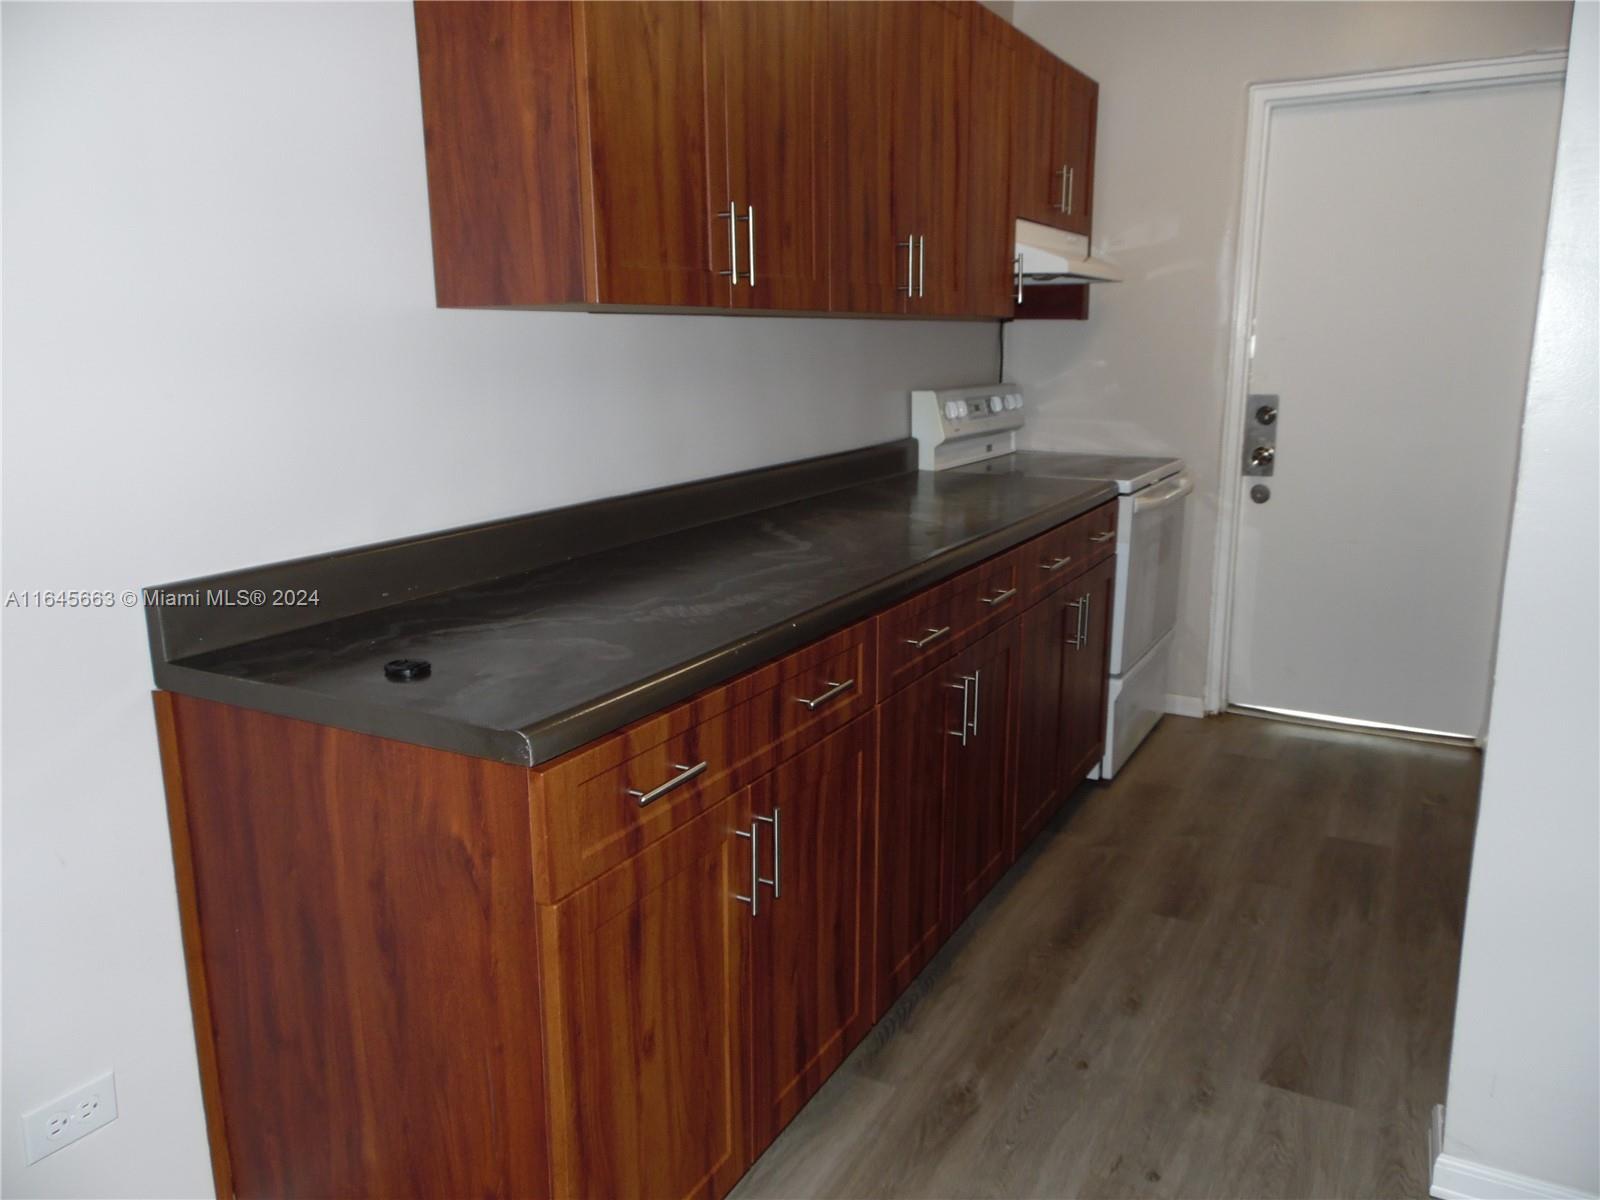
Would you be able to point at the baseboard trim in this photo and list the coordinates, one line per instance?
(1462, 1179)
(1185, 706)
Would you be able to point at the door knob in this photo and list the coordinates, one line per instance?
(1266, 415)
(1262, 455)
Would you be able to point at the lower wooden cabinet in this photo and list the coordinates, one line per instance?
(917, 728)
(1049, 632)
(810, 996)
(944, 797)
(1061, 725)
(1086, 671)
(724, 970)
(431, 974)
(978, 785)
(646, 1018)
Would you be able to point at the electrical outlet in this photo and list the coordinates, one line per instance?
(63, 1121)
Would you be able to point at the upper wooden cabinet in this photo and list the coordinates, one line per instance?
(1054, 110)
(898, 105)
(929, 58)
(791, 156)
(990, 220)
(772, 60)
(655, 174)
(865, 269)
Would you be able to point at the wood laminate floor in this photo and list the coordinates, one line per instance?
(1230, 973)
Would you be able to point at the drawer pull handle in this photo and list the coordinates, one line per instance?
(999, 597)
(1097, 538)
(834, 689)
(682, 777)
(933, 635)
(1057, 565)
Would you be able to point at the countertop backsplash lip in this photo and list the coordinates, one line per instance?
(386, 573)
(533, 664)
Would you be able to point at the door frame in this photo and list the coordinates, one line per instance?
(1264, 99)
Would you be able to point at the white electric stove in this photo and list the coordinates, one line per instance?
(958, 427)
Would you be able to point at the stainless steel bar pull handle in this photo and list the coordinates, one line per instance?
(977, 678)
(1083, 620)
(754, 898)
(1077, 607)
(732, 218)
(999, 597)
(834, 689)
(910, 246)
(933, 635)
(750, 230)
(966, 725)
(922, 266)
(1057, 564)
(1104, 536)
(1016, 266)
(776, 882)
(1061, 205)
(685, 773)
(1070, 173)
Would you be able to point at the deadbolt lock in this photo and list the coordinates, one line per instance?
(1261, 434)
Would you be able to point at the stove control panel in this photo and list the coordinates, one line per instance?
(956, 426)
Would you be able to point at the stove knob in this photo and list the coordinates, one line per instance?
(953, 409)
(995, 404)
(1013, 401)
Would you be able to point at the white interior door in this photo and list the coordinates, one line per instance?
(1397, 276)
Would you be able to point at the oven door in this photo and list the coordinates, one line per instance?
(1149, 555)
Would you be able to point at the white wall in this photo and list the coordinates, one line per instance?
(1148, 369)
(1524, 1092)
(221, 349)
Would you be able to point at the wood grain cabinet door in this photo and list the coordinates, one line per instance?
(657, 167)
(1036, 159)
(978, 829)
(931, 58)
(917, 730)
(811, 990)
(990, 224)
(773, 59)
(1077, 109)
(1048, 630)
(1086, 670)
(865, 271)
(645, 983)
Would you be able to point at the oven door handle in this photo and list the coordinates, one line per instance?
(1159, 497)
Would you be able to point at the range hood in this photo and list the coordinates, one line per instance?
(1053, 256)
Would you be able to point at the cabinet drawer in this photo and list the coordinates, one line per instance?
(826, 686)
(1100, 531)
(917, 634)
(602, 804)
(989, 594)
(1050, 560)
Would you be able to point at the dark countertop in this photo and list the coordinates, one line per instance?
(531, 665)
